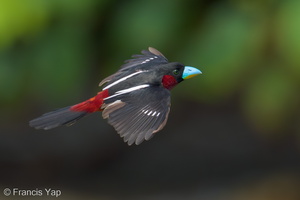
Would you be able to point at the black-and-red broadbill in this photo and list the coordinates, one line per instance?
(135, 100)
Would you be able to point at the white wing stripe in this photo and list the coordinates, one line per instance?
(127, 90)
(147, 60)
(122, 79)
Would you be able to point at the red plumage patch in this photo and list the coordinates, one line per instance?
(91, 105)
(169, 82)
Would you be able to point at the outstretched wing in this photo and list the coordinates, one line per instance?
(150, 56)
(137, 115)
(138, 63)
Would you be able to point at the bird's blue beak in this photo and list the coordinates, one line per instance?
(190, 72)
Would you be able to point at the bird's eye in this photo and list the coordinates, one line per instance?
(176, 72)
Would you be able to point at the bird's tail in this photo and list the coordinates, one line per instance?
(63, 116)
(69, 115)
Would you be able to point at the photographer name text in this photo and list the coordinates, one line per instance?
(31, 192)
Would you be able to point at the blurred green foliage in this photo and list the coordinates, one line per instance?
(247, 50)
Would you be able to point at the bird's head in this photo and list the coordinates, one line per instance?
(173, 73)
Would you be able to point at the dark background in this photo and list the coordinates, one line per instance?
(233, 132)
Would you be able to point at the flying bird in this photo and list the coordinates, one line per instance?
(135, 100)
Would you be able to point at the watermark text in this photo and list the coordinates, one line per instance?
(31, 192)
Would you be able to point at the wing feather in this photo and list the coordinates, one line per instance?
(143, 113)
(138, 62)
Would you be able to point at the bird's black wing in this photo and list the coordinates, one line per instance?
(137, 115)
(149, 58)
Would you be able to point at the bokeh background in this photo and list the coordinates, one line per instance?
(233, 132)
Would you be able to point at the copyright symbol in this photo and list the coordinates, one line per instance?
(6, 191)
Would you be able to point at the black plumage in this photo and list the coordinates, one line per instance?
(141, 112)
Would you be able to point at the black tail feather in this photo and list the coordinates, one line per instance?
(63, 116)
